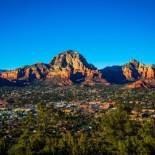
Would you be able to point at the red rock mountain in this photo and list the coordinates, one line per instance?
(129, 72)
(67, 68)
(135, 70)
(70, 67)
(36, 71)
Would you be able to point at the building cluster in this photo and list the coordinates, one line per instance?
(89, 107)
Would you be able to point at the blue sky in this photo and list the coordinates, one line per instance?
(106, 32)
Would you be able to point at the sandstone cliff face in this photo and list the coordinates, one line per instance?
(149, 72)
(71, 60)
(131, 70)
(10, 75)
(37, 71)
(134, 70)
(73, 67)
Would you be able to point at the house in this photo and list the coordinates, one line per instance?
(2, 104)
(106, 105)
(67, 111)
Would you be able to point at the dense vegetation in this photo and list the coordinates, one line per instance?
(54, 132)
(112, 133)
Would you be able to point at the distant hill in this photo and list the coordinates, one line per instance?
(142, 83)
(130, 72)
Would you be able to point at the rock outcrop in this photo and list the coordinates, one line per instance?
(129, 72)
(36, 71)
(135, 70)
(142, 83)
(73, 68)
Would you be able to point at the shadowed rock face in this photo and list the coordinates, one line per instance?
(114, 75)
(4, 82)
(77, 77)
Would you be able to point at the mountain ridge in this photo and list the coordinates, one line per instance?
(70, 67)
(67, 68)
(129, 72)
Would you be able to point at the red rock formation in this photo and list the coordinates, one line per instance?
(65, 69)
(10, 75)
(73, 67)
(37, 71)
(142, 83)
(135, 70)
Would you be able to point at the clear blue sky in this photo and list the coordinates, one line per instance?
(106, 32)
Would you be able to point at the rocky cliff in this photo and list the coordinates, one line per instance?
(130, 72)
(135, 70)
(36, 71)
(72, 67)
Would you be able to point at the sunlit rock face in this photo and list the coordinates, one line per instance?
(10, 75)
(135, 70)
(73, 67)
(36, 71)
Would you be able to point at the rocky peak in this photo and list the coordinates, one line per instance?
(70, 60)
(134, 61)
(133, 64)
(135, 70)
(129, 72)
(71, 67)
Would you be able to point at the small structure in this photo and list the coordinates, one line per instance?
(106, 105)
(67, 111)
(2, 104)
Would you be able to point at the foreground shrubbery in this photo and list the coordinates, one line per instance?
(113, 133)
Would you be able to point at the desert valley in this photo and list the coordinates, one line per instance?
(68, 106)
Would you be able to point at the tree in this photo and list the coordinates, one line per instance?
(2, 146)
